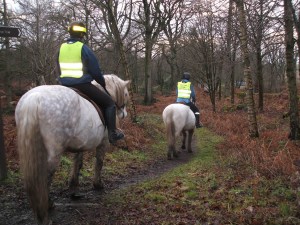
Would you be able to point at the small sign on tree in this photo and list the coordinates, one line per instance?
(6, 31)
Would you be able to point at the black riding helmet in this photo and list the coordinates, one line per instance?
(77, 29)
(186, 76)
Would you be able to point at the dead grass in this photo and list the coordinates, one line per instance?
(272, 153)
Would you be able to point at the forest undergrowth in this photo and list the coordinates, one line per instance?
(260, 182)
(272, 154)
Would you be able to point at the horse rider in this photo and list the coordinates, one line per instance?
(185, 92)
(78, 67)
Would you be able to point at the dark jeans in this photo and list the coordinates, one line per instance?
(193, 107)
(101, 98)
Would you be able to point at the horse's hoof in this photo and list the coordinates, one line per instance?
(46, 222)
(99, 186)
(51, 204)
(76, 196)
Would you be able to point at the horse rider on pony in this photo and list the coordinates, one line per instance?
(185, 92)
(78, 67)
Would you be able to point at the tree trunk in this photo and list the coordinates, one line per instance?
(297, 26)
(232, 76)
(259, 57)
(148, 78)
(290, 71)
(121, 49)
(260, 79)
(3, 167)
(229, 51)
(253, 130)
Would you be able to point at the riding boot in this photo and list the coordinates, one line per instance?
(110, 119)
(198, 124)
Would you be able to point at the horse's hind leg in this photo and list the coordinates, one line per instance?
(100, 153)
(191, 132)
(52, 166)
(183, 139)
(171, 148)
(73, 181)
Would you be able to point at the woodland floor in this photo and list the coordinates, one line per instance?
(272, 155)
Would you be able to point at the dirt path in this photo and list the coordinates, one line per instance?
(15, 209)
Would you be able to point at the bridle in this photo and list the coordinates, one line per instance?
(121, 108)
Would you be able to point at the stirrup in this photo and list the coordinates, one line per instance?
(115, 136)
(199, 125)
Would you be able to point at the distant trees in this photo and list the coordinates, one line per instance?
(153, 42)
(150, 20)
(177, 16)
(204, 50)
(109, 9)
(40, 39)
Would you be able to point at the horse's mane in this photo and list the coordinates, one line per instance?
(118, 84)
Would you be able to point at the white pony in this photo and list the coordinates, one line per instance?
(52, 119)
(178, 119)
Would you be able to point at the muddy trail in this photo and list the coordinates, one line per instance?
(90, 208)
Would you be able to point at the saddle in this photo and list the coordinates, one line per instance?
(99, 110)
(182, 103)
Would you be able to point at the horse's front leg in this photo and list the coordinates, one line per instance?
(191, 132)
(74, 180)
(183, 139)
(100, 153)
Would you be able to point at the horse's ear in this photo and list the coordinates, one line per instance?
(127, 82)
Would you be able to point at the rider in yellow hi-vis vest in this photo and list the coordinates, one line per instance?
(185, 92)
(78, 67)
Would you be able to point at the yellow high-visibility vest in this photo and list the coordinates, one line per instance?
(184, 90)
(70, 60)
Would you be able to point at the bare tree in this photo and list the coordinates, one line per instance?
(40, 38)
(253, 130)
(275, 67)
(297, 26)
(151, 22)
(290, 71)
(261, 25)
(177, 14)
(110, 9)
(230, 51)
(204, 49)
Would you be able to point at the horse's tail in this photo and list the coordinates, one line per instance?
(33, 157)
(170, 125)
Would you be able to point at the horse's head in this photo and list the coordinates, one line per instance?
(118, 89)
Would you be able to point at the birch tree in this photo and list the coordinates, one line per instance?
(253, 130)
